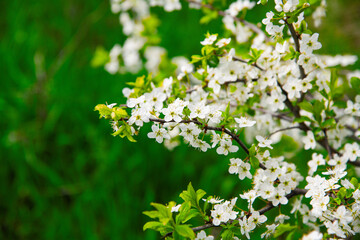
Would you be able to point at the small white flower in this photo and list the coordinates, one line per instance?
(263, 142)
(176, 208)
(209, 40)
(223, 42)
(244, 122)
(309, 141)
(202, 236)
(158, 133)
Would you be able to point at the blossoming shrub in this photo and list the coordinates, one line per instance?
(247, 90)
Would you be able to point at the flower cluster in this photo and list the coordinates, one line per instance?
(281, 92)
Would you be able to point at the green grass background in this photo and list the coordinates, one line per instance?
(62, 175)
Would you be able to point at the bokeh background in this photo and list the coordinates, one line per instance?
(62, 174)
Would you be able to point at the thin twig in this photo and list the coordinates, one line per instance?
(283, 129)
(295, 36)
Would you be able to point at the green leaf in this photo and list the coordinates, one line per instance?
(153, 225)
(283, 228)
(290, 235)
(324, 94)
(119, 113)
(254, 161)
(185, 231)
(100, 58)
(306, 106)
(263, 2)
(191, 214)
(227, 235)
(291, 55)
(303, 119)
(355, 84)
(139, 82)
(184, 211)
(226, 113)
(210, 15)
(189, 195)
(199, 194)
(319, 106)
(164, 212)
(125, 131)
(349, 193)
(337, 200)
(104, 111)
(341, 193)
(354, 181)
(329, 123)
(252, 151)
(196, 58)
(152, 214)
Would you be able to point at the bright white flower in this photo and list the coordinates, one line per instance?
(309, 43)
(334, 228)
(202, 145)
(317, 160)
(244, 171)
(309, 141)
(266, 191)
(244, 122)
(235, 163)
(281, 218)
(293, 87)
(223, 212)
(226, 147)
(279, 197)
(138, 117)
(158, 133)
(223, 42)
(202, 236)
(343, 215)
(289, 6)
(174, 111)
(270, 230)
(264, 142)
(352, 151)
(314, 235)
(347, 184)
(199, 110)
(214, 115)
(352, 108)
(171, 5)
(209, 40)
(189, 131)
(176, 208)
(256, 219)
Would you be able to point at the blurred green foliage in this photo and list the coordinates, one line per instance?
(62, 174)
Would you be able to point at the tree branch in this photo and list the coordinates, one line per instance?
(295, 36)
(206, 127)
(283, 129)
(268, 207)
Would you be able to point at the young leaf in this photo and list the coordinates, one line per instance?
(185, 231)
(104, 111)
(355, 84)
(184, 211)
(254, 161)
(306, 106)
(227, 235)
(283, 228)
(153, 225)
